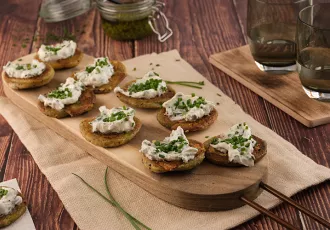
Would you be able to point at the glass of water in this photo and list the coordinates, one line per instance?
(313, 50)
(271, 28)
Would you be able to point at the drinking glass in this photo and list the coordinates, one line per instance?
(313, 50)
(271, 28)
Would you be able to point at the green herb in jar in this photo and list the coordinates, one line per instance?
(127, 30)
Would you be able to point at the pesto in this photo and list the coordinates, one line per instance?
(127, 30)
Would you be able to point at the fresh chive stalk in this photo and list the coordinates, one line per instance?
(117, 204)
(114, 203)
(187, 82)
(191, 84)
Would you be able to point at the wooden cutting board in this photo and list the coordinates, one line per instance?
(206, 188)
(283, 91)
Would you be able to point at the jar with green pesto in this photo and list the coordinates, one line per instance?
(135, 20)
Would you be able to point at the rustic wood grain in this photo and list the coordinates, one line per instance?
(284, 91)
(312, 142)
(203, 33)
(225, 29)
(44, 205)
(17, 27)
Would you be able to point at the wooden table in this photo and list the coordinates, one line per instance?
(200, 28)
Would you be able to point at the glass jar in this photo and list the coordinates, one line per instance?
(134, 20)
(60, 10)
(130, 20)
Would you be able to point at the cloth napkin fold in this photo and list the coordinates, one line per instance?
(289, 171)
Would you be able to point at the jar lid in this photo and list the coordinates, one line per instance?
(60, 10)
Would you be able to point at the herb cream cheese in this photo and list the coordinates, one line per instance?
(96, 74)
(172, 148)
(68, 93)
(187, 107)
(115, 120)
(150, 86)
(238, 143)
(16, 70)
(8, 200)
(57, 51)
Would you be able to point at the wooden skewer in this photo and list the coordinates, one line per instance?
(268, 213)
(294, 204)
(286, 199)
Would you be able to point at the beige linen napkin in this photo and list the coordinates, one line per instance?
(289, 171)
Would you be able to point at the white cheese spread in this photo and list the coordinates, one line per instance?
(9, 199)
(28, 70)
(68, 93)
(96, 74)
(150, 86)
(187, 107)
(172, 148)
(115, 120)
(238, 143)
(57, 51)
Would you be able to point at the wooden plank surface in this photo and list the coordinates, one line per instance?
(201, 28)
(284, 91)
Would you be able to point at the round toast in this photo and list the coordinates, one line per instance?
(66, 63)
(116, 78)
(14, 215)
(107, 140)
(170, 166)
(220, 158)
(84, 104)
(32, 82)
(187, 126)
(152, 103)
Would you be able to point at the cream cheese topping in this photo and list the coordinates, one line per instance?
(9, 199)
(172, 148)
(96, 74)
(150, 86)
(68, 93)
(115, 120)
(57, 51)
(187, 107)
(27, 70)
(238, 143)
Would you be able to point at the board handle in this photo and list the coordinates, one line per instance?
(283, 197)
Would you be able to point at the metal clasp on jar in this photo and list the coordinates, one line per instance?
(158, 20)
